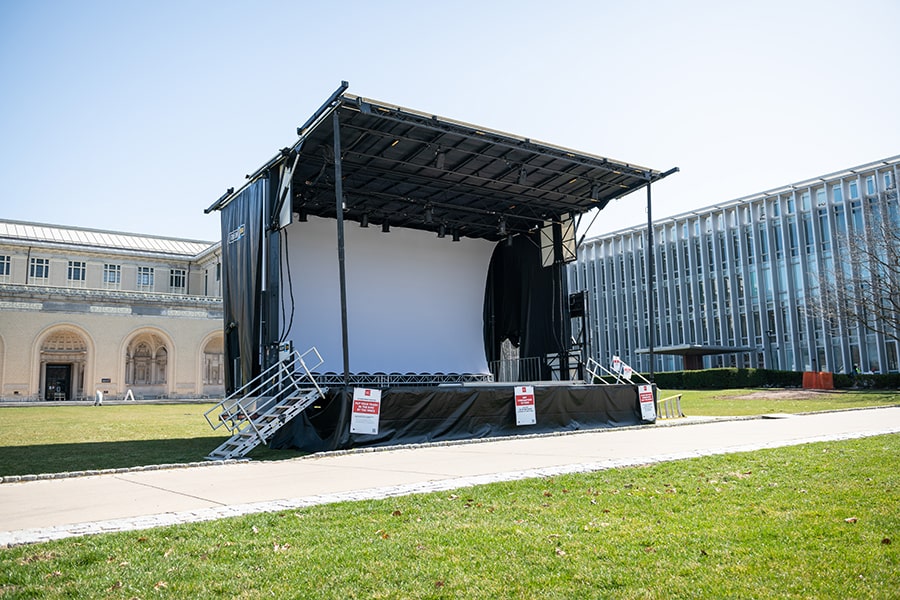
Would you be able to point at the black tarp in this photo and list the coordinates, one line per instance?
(242, 222)
(523, 302)
(420, 415)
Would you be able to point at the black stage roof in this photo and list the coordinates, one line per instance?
(415, 170)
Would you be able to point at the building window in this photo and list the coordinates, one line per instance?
(820, 197)
(39, 270)
(808, 238)
(888, 181)
(826, 232)
(776, 240)
(112, 277)
(177, 278)
(856, 216)
(840, 222)
(4, 269)
(218, 271)
(792, 237)
(837, 194)
(763, 244)
(870, 185)
(854, 190)
(76, 273)
(145, 279)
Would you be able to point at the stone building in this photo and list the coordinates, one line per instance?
(84, 310)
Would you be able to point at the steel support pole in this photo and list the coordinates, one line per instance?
(342, 273)
(651, 281)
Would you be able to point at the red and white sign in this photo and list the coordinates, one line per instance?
(648, 405)
(616, 364)
(525, 414)
(627, 371)
(366, 411)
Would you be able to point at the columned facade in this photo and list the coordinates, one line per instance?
(83, 311)
(746, 277)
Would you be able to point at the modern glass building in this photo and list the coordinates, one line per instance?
(741, 283)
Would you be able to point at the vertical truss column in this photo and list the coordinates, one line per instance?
(339, 208)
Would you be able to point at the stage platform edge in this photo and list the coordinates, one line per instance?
(414, 415)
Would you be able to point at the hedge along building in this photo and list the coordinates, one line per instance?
(742, 283)
(83, 310)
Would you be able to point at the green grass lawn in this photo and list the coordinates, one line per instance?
(732, 403)
(52, 439)
(811, 521)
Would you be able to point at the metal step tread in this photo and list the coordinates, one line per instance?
(259, 428)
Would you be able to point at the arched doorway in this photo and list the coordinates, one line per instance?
(63, 356)
(146, 365)
(213, 365)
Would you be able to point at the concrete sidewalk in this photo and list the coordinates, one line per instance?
(56, 508)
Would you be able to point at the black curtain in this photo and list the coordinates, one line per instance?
(242, 225)
(423, 415)
(523, 301)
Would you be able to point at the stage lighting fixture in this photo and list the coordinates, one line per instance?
(442, 230)
(509, 241)
(301, 215)
(385, 227)
(502, 227)
(364, 220)
(429, 214)
(455, 235)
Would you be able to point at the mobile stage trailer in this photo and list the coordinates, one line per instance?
(423, 258)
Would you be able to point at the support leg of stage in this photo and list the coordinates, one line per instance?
(339, 208)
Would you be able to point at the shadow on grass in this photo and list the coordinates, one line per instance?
(59, 458)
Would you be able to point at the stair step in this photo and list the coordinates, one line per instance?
(259, 428)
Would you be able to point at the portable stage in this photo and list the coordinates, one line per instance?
(425, 258)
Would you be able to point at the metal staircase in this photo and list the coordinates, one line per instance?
(257, 410)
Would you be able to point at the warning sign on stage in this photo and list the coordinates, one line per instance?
(525, 414)
(366, 411)
(616, 364)
(648, 405)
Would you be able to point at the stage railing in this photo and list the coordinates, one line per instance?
(517, 369)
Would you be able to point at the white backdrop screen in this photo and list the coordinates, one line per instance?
(414, 301)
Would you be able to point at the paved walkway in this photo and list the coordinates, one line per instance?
(46, 509)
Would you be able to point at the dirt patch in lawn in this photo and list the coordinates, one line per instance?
(783, 394)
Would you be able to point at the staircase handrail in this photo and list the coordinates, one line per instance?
(231, 409)
(594, 367)
(598, 371)
(669, 408)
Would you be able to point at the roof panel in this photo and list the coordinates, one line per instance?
(404, 165)
(91, 238)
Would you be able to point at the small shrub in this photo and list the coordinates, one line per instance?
(727, 378)
(887, 381)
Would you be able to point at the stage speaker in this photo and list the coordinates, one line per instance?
(576, 304)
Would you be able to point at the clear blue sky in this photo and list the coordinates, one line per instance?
(135, 116)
